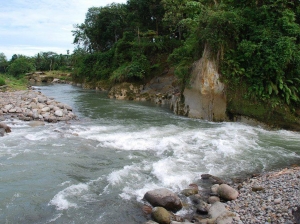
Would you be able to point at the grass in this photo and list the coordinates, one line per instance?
(14, 83)
(59, 75)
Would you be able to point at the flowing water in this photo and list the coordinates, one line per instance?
(97, 169)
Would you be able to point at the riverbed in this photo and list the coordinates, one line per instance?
(97, 169)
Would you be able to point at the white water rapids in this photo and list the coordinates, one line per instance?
(97, 169)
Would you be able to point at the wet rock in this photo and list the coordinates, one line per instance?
(161, 215)
(164, 198)
(212, 178)
(227, 193)
(147, 209)
(195, 198)
(189, 192)
(5, 127)
(202, 207)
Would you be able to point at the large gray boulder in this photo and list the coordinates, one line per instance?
(164, 198)
(227, 193)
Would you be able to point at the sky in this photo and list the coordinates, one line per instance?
(31, 26)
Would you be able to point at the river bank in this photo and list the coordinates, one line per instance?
(271, 197)
(28, 105)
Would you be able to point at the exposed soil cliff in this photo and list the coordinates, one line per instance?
(205, 96)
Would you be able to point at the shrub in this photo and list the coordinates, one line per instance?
(2, 82)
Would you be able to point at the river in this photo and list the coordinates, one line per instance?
(97, 169)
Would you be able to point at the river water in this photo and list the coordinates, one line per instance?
(97, 169)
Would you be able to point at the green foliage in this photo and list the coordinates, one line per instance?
(266, 54)
(3, 63)
(2, 82)
(137, 69)
(20, 66)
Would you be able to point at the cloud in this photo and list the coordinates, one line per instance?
(29, 26)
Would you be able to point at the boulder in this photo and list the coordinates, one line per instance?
(216, 210)
(161, 215)
(227, 193)
(164, 198)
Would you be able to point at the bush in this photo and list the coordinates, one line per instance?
(2, 82)
(20, 66)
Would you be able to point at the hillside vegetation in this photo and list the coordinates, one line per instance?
(255, 43)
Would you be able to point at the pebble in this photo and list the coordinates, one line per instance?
(275, 203)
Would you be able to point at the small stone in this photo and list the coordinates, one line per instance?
(214, 188)
(213, 199)
(189, 192)
(277, 201)
(257, 188)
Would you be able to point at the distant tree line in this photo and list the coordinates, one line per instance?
(18, 65)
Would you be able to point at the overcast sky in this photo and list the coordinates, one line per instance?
(30, 26)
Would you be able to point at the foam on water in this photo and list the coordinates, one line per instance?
(62, 200)
(183, 155)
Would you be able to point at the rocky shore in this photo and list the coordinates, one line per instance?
(272, 197)
(31, 105)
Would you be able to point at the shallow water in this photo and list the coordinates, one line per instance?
(97, 169)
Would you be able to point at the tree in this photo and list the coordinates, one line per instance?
(20, 66)
(103, 27)
(3, 63)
